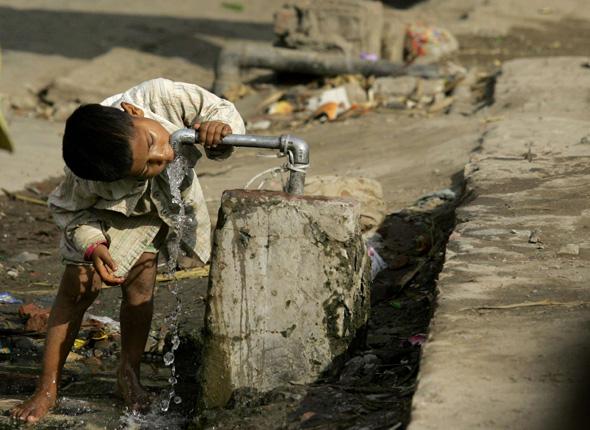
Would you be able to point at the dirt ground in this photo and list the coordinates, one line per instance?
(409, 153)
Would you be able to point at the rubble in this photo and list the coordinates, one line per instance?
(388, 91)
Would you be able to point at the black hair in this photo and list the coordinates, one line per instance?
(96, 143)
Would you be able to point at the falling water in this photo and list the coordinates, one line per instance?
(177, 171)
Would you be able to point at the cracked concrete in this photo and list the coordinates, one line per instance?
(510, 334)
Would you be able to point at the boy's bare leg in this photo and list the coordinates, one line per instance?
(79, 287)
(137, 309)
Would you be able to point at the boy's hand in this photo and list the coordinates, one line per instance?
(105, 266)
(212, 132)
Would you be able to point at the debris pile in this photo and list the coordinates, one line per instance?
(349, 96)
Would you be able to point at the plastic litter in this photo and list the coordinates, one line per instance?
(395, 304)
(427, 44)
(9, 299)
(369, 56)
(417, 339)
(327, 111)
(79, 343)
(377, 262)
(282, 107)
(110, 324)
(337, 95)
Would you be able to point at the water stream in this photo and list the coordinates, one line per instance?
(176, 171)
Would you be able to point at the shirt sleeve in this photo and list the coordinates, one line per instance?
(71, 205)
(189, 103)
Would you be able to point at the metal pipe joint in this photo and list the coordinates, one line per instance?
(296, 149)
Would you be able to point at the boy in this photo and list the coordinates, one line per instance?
(115, 210)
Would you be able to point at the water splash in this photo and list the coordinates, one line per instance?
(177, 172)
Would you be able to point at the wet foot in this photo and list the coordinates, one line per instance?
(35, 408)
(137, 398)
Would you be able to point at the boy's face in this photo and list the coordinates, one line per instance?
(150, 147)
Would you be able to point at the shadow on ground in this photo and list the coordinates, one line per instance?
(87, 35)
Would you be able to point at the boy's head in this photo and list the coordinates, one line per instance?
(106, 144)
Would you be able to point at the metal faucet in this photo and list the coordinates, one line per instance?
(296, 149)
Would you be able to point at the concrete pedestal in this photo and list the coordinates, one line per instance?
(288, 291)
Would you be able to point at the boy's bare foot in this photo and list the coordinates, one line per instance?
(35, 408)
(137, 398)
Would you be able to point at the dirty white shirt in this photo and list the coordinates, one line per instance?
(129, 213)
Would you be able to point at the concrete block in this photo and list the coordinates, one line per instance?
(349, 26)
(288, 291)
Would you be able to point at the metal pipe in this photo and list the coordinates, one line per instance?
(296, 149)
(240, 55)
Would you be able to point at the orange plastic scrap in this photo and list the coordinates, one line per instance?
(282, 107)
(328, 111)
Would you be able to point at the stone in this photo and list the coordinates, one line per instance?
(24, 257)
(349, 26)
(387, 89)
(288, 292)
(355, 92)
(429, 87)
(569, 249)
(368, 192)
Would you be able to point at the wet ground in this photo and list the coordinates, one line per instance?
(370, 387)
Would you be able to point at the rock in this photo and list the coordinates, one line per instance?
(355, 92)
(368, 192)
(26, 102)
(349, 26)
(285, 297)
(37, 317)
(263, 124)
(24, 257)
(360, 369)
(569, 249)
(429, 88)
(535, 236)
(387, 89)
(12, 273)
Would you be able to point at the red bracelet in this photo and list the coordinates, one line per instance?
(90, 250)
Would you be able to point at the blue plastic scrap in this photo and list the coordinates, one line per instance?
(9, 299)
